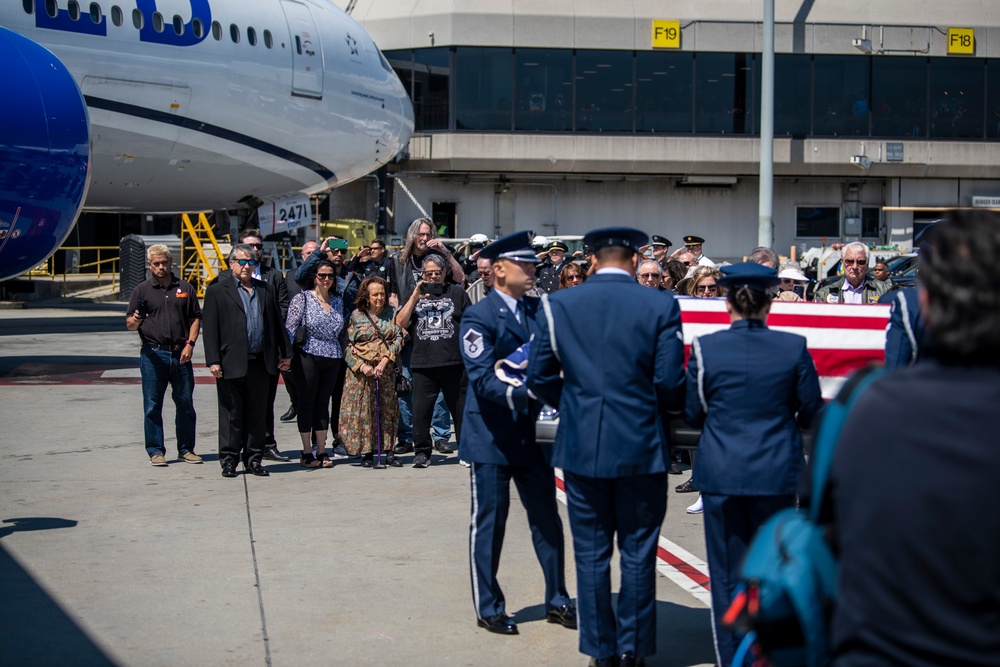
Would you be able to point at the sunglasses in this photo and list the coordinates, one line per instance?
(689, 263)
(256, 245)
(244, 262)
(432, 273)
(325, 276)
(707, 288)
(574, 278)
(855, 262)
(649, 276)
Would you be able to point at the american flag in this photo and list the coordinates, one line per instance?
(842, 338)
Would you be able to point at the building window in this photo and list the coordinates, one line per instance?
(268, 40)
(871, 222)
(793, 80)
(957, 98)
(841, 96)
(723, 93)
(604, 85)
(95, 13)
(482, 88)
(251, 37)
(137, 18)
(431, 88)
(73, 9)
(899, 96)
(216, 31)
(817, 222)
(664, 91)
(543, 79)
(234, 33)
(116, 16)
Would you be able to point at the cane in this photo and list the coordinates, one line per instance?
(378, 424)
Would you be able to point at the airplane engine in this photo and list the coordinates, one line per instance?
(44, 154)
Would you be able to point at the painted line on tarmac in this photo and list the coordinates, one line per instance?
(674, 562)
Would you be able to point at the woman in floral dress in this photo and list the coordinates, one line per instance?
(373, 344)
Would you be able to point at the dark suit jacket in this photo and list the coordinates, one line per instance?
(274, 281)
(498, 424)
(620, 347)
(224, 328)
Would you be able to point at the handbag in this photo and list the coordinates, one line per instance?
(403, 384)
(302, 331)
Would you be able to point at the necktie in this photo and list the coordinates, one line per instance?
(520, 312)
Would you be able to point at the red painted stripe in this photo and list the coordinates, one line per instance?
(683, 567)
(790, 320)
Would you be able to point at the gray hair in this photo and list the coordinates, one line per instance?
(411, 236)
(433, 258)
(856, 246)
(158, 250)
(644, 262)
(763, 256)
(242, 247)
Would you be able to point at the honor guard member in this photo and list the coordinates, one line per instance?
(498, 440)
(658, 249)
(612, 371)
(165, 312)
(749, 388)
(905, 333)
(548, 270)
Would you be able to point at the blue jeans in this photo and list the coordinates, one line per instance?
(158, 369)
(440, 422)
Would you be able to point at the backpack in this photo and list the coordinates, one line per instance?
(789, 573)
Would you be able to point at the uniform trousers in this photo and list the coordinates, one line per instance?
(730, 524)
(315, 378)
(490, 506)
(242, 402)
(427, 383)
(633, 507)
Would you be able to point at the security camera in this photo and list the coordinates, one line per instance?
(431, 35)
(861, 161)
(863, 45)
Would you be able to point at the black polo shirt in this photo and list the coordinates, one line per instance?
(171, 310)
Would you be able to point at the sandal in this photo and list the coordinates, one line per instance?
(309, 461)
(324, 461)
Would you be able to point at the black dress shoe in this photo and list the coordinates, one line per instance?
(393, 462)
(256, 468)
(367, 461)
(499, 624)
(603, 662)
(443, 446)
(290, 414)
(629, 660)
(675, 469)
(403, 447)
(272, 454)
(564, 616)
(228, 469)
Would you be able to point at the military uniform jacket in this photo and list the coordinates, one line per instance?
(904, 336)
(744, 386)
(548, 276)
(621, 351)
(498, 424)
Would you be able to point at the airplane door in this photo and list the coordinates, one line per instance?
(307, 51)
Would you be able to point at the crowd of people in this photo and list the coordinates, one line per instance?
(384, 348)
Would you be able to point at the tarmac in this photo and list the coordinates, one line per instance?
(106, 560)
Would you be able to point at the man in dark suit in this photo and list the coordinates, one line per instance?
(275, 281)
(610, 355)
(498, 440)
(244, 339)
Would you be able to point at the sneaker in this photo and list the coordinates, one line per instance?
(421, 461)
(403, 447)
(339, 452)
(464, 464)
(190, 457)
(697, 508)
(442, 446)
(158, 460)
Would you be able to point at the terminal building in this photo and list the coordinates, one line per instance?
(564, 115)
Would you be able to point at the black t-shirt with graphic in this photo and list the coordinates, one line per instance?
(434, 328)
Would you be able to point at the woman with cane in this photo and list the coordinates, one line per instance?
(369, 407)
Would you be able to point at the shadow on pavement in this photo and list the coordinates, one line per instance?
(14, 367)
(34, 629)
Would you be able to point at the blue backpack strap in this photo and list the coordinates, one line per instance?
(830, 427)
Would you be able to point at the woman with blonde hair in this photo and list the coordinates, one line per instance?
(704, 283)
(373, 345)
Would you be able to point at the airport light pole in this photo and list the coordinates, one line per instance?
(765, 206)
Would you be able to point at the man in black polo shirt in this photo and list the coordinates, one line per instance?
(165, 311)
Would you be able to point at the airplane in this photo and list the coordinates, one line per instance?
(169, 106)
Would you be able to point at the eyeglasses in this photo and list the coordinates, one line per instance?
(488, 272)
(244, 262)
(432, 273)
(855, 262)
(336, 250)
(649, 276)
(707, 288)
(689, 263)
(255, 245)
(424, 235)
(324, 276)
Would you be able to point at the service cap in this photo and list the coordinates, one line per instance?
(625, 237)
(691, 240)
(661, 240)
(748, 274)
(516, 246)
(558, 245)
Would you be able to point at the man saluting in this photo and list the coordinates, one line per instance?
(498, 439)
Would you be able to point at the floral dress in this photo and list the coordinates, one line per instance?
(365, 345)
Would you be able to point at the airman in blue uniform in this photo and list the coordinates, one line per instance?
(905, 333)
(748, 389)
(610, 356)
(498, 440)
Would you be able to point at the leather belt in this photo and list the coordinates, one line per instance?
(166, 348)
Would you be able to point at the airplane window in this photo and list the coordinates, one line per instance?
(73, 8)
(178, 24)
(137, 18)
(268, 41)
(95, 12)
(29, 6)
(234, 33)
(198, 28)
(216, 30)
(116, 16)
(252, 36)
(51, 8)
(157, 21)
